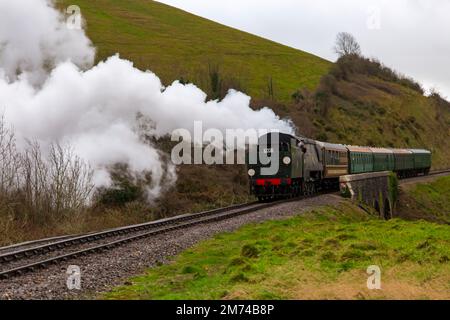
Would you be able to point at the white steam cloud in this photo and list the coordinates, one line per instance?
(34, 37)
(48, 94)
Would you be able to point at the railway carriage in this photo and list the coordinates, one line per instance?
(422, 160)
(360, 159)
(404, 162)
(335, 163)
(383, 159)
(335, 160)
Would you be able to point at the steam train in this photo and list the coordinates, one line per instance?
(305, 166)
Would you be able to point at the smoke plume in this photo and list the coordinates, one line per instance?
(50, 91)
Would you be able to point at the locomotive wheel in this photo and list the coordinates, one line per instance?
(309, 189)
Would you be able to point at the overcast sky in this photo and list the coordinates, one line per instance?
(412, 36)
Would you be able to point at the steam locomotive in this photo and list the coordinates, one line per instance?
(304, 166)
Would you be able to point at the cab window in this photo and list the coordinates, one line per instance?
(284, 146)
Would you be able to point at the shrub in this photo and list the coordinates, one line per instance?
(393, 188)
(355, 64)
(297, 96)
(345, 193)
(120, 195)
(38, 185)
(125, 187)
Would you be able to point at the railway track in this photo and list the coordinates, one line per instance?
(19, 259)
(30, 258)
(431, 173)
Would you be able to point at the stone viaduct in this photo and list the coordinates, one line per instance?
(377, 189)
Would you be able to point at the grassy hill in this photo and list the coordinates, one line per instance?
(360, 108)
(175, 44)
(364, 103)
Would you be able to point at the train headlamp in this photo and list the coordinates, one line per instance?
(286, 160)
(251, 172)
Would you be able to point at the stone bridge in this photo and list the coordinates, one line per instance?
(376, 189)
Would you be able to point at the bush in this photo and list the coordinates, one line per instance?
(218, 83)
(393, 188)
(41, 186)
(125, 188)
(120, 195)
(437, 98)
(345, 193)
(355, 64)
(297, 96)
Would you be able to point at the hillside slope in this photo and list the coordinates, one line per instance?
(364, 103)
(175, 44)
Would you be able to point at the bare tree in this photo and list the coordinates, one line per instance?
(9, 161)
(41, 185)
(70, 179)
(58, 184)
(346, 44)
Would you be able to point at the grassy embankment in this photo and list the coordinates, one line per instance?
(429, 201)
(321, 254)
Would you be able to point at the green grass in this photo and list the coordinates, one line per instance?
(174, 44)
(427, 200)
(303, 257)
(434, 196)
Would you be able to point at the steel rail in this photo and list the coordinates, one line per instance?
(89, 237)
(200, 218)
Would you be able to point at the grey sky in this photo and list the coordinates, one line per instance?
(412, 36)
